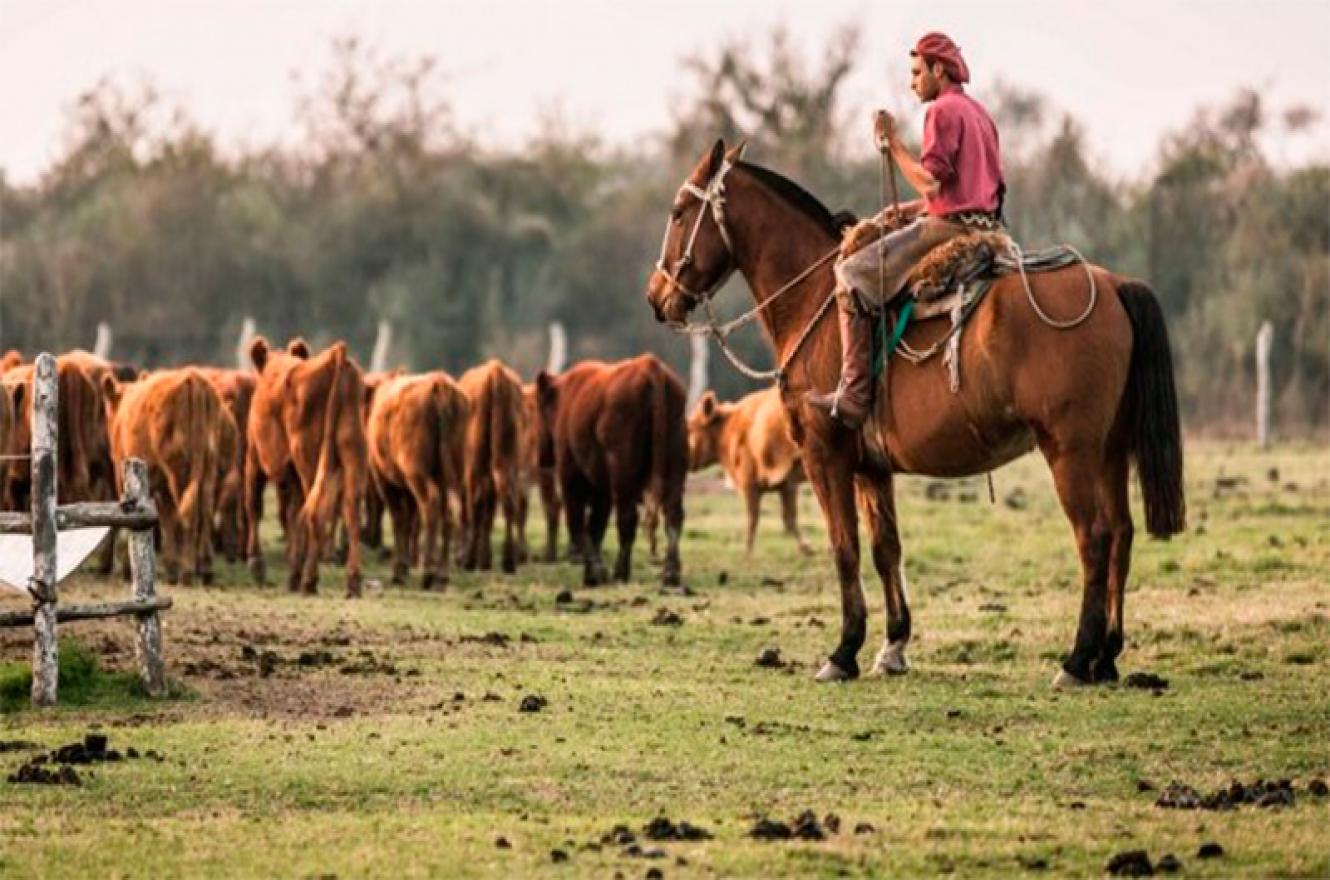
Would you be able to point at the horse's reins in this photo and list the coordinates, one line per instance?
(713, 197)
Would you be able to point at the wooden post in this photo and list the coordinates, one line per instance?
(1265, 338)
(143, 569)
(697, 371)
(45, 647)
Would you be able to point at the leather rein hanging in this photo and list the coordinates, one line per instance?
(712, 197)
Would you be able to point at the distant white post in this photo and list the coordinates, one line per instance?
(247, 331)
(378, 360)
(102, 347)
(558, 349)
(1265, 338)
(697, 371)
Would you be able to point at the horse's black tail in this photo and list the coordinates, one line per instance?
(1154, 436)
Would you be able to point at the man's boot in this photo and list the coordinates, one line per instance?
(852, 400)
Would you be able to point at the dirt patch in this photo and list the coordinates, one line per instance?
(1261, 793)
(496, 639)
(1146, 681)
(661, 828)
(1168, 864)
(56, 767)
(1132, 863)
(666, 617)
(18, 745)
(805, 826)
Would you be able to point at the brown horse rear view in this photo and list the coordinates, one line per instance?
(236, 389)
(307, 433)
(613, 432)
(1092, 394)
(543, 477)
(493, 461)
(414, 433)
(172, 420)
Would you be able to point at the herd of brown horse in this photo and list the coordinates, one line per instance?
(444, 458)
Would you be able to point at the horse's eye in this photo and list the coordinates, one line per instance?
(676, 214)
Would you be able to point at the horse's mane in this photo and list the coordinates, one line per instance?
(801, 199)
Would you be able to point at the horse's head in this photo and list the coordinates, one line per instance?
(697, 254)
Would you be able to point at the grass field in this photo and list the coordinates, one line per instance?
(321, 737)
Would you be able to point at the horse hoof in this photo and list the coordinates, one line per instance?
(831, 672)
(1065, 681)
(891, 661)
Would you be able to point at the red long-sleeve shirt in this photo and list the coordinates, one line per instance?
(961, 152)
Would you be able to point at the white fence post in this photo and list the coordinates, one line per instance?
(1265, 338)
(102, 347)
(383, 340)
(697, 371)
(45, 647)
(247, 330)
(558, 349)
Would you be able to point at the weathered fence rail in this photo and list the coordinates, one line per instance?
(134, 511)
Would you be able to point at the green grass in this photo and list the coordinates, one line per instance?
(82, 683)
(969, 764)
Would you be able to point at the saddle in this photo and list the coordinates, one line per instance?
(935, 282)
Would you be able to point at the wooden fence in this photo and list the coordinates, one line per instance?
(135, 512)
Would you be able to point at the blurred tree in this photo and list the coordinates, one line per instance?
(386, 209)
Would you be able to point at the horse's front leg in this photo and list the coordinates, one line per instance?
(878, 496)
(830, 471)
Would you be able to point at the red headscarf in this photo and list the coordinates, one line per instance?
(937, 47)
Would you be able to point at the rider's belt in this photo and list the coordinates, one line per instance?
(987, 220)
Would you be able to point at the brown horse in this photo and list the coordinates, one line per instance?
(1092, 399)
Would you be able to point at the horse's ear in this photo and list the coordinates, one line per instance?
(111, 390)
(736, 152)
(298, 347)
(258, 352)
(717, 156)
(708, 405)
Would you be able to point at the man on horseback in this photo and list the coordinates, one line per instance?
(959, 175)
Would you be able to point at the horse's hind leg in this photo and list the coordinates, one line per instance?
(879, 503)
(1077, 474)
(1115, 509)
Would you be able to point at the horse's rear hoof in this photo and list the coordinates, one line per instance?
(831, 672)
(258, 571)
(891, 661)
(1065, 681)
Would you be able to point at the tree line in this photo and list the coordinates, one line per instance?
(388, 208)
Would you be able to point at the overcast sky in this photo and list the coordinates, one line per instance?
(1128, 70)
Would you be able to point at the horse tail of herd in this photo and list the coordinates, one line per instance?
(1154, 436)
